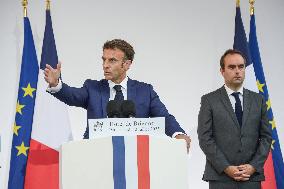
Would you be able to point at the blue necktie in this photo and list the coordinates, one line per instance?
(238, 107)
(119, 94)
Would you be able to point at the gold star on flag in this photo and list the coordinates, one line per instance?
(268, 103)
(16, 128)
(272, 147)
(22, 149)
(19, 108)
(28, 90)
(260, 86)
(273, 124)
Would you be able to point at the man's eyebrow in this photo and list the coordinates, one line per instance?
(231, 65)
(112, 59)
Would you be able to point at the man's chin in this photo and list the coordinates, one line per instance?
(107, 78)
(238, 83)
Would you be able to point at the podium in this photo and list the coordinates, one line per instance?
(124, 162)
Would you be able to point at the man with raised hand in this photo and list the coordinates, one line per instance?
(94, 95)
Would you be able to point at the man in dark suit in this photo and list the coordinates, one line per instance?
(233, 130)
(94, 95)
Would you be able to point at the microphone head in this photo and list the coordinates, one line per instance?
(128, 108)
(113, 108)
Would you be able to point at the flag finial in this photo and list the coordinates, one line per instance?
(251, 2)
(25, 4)
(238, 3)
(47, 4)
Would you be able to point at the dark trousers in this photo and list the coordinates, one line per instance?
(234, 185)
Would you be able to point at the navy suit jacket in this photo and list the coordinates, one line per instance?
(94, 96)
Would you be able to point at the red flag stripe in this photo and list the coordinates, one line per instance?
(43, 162)
(143, 162)
(270, 181)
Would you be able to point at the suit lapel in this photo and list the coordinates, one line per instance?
(226, 101)
(105, 91)
(246, 106)
(131, 90)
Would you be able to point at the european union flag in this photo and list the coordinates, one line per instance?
(24, 110)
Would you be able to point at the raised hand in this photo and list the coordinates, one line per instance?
(51, 75)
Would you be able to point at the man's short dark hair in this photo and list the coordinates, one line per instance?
(230, 52)
(121, 45)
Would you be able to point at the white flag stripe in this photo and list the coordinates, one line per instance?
(131, 171)
(51, 125)
(250, 81)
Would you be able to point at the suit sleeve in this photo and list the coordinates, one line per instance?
(206, 139)
(158, 109)
(73, 96)
(265, 140)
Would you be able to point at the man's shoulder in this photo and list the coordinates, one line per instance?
(253, 94)
(214, 94)
(138, 83)
(95, 82)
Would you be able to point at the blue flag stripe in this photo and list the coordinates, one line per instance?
(240, 39)
(49, 52)
(119, 162)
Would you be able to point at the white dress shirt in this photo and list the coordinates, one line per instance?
(232, 98)
(113, 91)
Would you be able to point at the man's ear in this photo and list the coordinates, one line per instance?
(127, 64)
(222, 71)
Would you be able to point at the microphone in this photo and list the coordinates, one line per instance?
(113, 109)
(128, 109)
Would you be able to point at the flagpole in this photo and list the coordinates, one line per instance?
(25, 4)
(251, 2)
(238, 3)
(47, 4)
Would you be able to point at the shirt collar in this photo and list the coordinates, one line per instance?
(123, 83)
(230, 91)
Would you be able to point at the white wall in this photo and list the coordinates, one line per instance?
(177, 43)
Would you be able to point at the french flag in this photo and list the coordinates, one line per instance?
(255, 81)
(51, 126)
